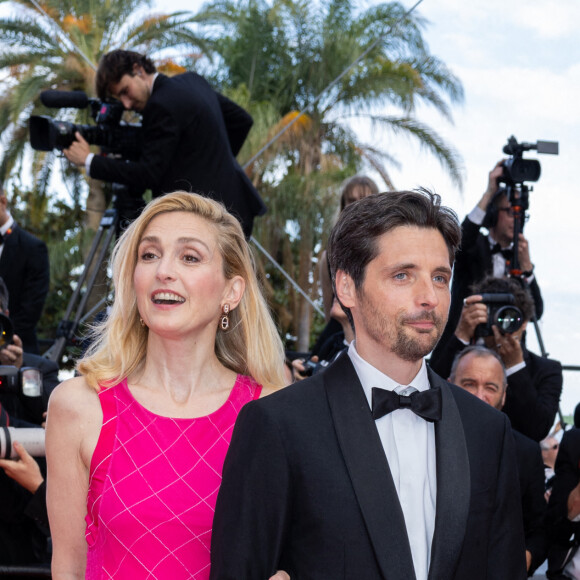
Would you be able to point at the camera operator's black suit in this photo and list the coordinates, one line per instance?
(191, 135)
(533, 392)
(473, 263)
(25, 270)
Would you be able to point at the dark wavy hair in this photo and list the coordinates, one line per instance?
(117, 63)
(353, 240)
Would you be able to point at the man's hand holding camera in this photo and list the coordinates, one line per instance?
(492, 185)
(78, 151)
(25, 471)
(507, 345)
(12, 353)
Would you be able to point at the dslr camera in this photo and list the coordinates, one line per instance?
(113, 136)
(501, 312)
(25, 381)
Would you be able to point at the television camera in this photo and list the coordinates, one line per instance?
(113, 136)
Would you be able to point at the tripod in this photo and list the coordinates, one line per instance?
(519, 200)
(125, 207)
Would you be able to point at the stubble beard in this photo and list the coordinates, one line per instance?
(399, 339)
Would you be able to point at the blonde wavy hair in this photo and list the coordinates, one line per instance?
(252, 346)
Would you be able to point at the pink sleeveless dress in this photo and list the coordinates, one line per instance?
(153, 487)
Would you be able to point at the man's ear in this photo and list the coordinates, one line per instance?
(345, 290)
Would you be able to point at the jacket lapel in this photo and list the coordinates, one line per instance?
(453, 486)
(369, 470)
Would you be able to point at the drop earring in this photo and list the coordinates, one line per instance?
(224, 320)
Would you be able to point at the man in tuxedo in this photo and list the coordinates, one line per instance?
(481, 372)
(375, 468)
(534, 382)
(484, 255)
(191, 135)
(25, 270)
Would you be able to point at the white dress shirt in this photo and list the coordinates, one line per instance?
(8, 225)
(476, 216)
(409, 444)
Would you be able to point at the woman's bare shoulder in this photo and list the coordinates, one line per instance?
(73, 396)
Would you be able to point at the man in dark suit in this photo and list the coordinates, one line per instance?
(484, 255)
(564, 510)
(25, 270)
(534, 382)
(191, 135)
(481, 372)
(322, 480)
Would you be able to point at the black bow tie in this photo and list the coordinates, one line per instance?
(426, 404)
(507, 253)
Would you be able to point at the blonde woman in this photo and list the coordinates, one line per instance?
(136, 444)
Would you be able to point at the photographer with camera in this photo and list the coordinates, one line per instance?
(24, 529)
(12, 354)
(191, 135)
(25, 270)
(534, 382)
(487, 254)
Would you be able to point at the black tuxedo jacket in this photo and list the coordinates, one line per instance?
(533, 393)
(307, 489)
(191, 135)
(531, 477)
(473, 262)
(25, 270)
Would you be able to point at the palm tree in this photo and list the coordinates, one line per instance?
(56, 44)
(287, 53)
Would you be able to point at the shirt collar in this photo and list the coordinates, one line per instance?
(370, 376)
(8, 225)
(492, 243)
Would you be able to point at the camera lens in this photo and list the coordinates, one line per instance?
(31, 438)
(508, 319)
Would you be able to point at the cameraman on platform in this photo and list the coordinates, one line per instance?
(484, 255)
(191, 135)
(534, 382)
